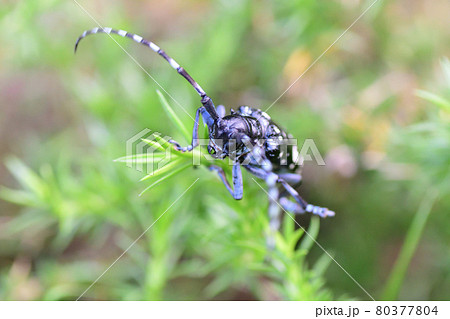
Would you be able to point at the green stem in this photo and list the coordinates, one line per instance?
(395, 280)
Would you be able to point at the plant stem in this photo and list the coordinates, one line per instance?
(395, 280)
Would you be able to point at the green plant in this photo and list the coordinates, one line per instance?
(286, 266)
(426, 145)
(69, 211)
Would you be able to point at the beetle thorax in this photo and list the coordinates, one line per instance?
(232, 135)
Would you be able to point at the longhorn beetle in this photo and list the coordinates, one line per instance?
(248, 137)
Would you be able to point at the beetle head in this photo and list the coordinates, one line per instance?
(225, 137)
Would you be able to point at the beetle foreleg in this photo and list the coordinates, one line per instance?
(237, 190)
(194, 142)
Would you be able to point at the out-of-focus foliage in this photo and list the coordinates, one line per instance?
(426, 146)
(376, 105)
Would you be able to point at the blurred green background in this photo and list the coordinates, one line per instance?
(377, 105)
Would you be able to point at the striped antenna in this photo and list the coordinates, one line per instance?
(206, 100)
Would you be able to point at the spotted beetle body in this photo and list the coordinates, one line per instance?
(248, 137)
(283, 156)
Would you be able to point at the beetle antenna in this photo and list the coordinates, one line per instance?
(206, 100)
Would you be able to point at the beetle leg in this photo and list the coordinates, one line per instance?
(316, 210)
(291, 206)
(194, 142)
(304, 206)
(237, 190)
(291, 178)
(264, 171)
(274, 211)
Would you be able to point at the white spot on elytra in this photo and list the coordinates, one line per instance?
(265, 115)
(245, 110)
